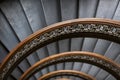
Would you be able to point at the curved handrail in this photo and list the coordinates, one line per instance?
(63, 79)
(75, 56)
(99, 28)
(68, 73)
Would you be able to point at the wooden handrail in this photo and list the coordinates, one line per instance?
(63, 79)
(98, 28)
(68, 73)
(75, 56)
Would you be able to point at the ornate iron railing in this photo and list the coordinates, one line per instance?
(75, 56)
(98, 28)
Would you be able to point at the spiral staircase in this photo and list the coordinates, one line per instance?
(21, 18)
